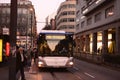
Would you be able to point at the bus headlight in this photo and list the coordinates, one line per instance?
(40, 64)
(71, 63)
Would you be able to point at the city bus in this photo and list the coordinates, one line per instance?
(55, 49)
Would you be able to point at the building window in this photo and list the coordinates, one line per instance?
(109, 12)
(89, 21)
(98, 17)
(71, 13)
(77, 12)
(3, 20)
(71, 20)
(82, 24)
(63, 27)
(77, 26)
(71, 26)
(63, 7)
(64, 13)
(24, 11)
(77, 2)
(89, 2)
(64, 20)
(82, 9)
(71, 5)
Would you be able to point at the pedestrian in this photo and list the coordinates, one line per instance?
(32, 54)
(35, 52)
(29, 57)
(20, 62)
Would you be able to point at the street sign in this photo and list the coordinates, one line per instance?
(5, 31)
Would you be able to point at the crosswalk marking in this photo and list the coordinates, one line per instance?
(89, 75)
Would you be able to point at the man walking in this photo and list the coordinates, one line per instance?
(20, 62)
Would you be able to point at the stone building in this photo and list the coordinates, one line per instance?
(26, 21)
(98, 27)
(65, 18)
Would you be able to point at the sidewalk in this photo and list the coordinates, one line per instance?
(32, 73)
(4, 73)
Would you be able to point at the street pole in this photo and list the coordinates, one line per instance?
(31, 31)
(26, 36)
(13, 29)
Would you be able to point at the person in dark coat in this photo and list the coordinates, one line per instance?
(20, 62)
(35, 54)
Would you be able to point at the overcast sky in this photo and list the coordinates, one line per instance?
(43, 8)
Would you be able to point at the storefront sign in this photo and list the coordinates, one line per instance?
(0, 50)
(5, 31)
(7, 48)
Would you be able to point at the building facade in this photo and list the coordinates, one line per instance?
(98, 27)
(26, 21)
(50, 22)
(65, 18)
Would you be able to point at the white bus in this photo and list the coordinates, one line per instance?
(55, 49)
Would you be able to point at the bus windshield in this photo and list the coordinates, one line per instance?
(55, 44)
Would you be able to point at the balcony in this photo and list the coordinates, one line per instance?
(91, 6)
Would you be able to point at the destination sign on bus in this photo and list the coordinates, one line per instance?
(55, 37)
